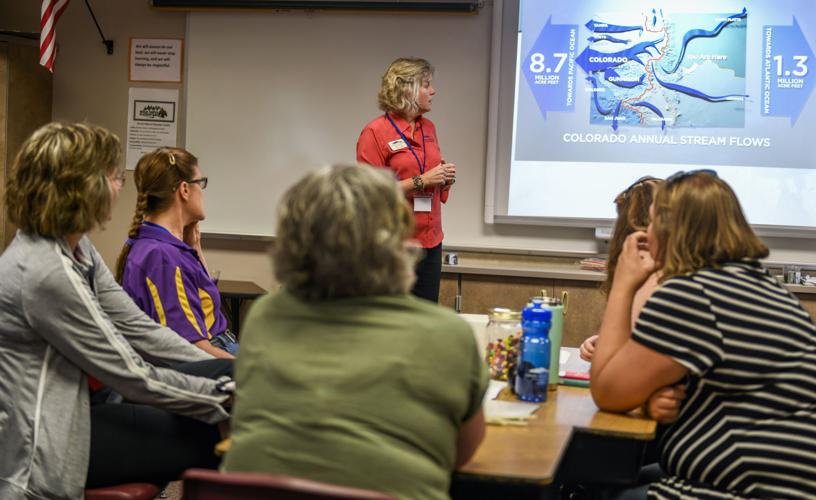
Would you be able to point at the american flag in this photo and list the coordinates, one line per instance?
(50, 13)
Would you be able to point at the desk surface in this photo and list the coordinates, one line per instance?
(240, 289)
(533, 453)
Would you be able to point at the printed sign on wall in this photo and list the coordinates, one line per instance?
(155, 60)
(152, 122)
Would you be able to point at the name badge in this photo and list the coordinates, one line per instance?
(397, 145)
(423, 203)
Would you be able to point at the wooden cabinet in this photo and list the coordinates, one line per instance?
(480, 293)
(585, 308)
(448, 289)
(25, 105)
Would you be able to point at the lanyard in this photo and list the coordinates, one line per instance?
(402, 136)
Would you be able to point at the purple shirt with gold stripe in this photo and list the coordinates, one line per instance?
(166, 279)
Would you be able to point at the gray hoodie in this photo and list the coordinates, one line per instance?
(62, 316)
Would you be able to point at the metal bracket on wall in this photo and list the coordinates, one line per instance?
(108, 43)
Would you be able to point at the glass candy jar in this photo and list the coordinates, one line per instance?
(503, 333)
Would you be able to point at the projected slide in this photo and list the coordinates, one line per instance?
(608, 90)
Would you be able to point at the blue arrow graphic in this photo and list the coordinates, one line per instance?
(606, 38)
(692, 34)
(595, 87)
(654, 109)
(786, 92)
(599, 27)
(592, 60)
(695, 93)
(553, 90)
(612, 76)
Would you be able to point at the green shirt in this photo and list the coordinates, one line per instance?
(367, 392)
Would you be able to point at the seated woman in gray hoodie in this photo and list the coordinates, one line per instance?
(64, 322)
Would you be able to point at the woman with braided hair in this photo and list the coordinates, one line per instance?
(161, 265)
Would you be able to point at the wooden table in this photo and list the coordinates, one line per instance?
(232, 293)
(539, 452)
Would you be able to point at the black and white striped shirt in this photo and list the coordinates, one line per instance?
(748, 425)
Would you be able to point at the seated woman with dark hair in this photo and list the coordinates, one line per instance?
(343, 376)
(63, 319)
(723, 324)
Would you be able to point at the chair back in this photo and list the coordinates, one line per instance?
(203, 484)
(130, 491)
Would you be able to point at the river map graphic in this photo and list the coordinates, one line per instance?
(653, 70)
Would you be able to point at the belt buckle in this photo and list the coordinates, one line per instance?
(227, 333)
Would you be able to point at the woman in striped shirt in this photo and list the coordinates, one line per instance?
(722, 324)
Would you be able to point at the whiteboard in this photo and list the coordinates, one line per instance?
(270, 96)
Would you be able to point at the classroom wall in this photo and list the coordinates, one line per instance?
(91, 85)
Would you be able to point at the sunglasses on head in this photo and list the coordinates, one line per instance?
(643, 180)
(679, 176)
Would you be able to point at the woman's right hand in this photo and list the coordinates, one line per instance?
(664, 404)
(192, 235)
(588, 348)
(635, 264)
(436, 176)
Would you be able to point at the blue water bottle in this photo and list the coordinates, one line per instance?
(533, 372)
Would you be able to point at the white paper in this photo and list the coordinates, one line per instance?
(570, 361)
(509, 410)
(493, 390)
(152, 122)
(155, 59)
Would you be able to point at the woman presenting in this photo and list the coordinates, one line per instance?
(403, 140)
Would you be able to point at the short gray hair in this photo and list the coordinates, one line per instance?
(341, 233)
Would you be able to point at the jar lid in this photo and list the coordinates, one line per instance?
(547, 301)
(502, 313)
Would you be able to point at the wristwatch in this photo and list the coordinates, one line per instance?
(418, 184)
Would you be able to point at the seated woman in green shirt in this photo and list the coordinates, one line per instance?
(343, 376)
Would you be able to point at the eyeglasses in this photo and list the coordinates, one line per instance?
(202, 182)
(119, 177)
(679, 176)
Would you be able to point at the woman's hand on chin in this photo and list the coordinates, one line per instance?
(635, 264)
(192, 235)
